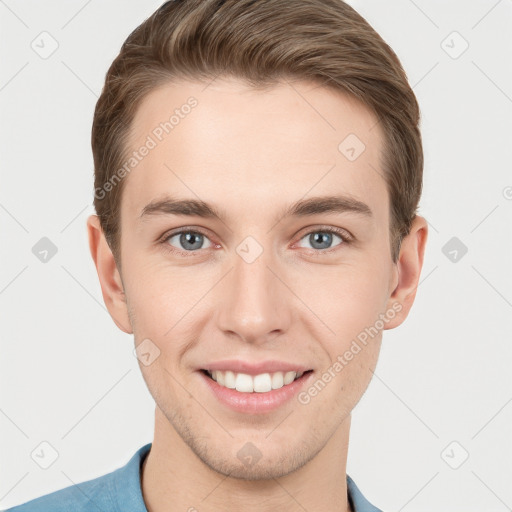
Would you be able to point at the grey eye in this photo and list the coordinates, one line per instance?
(321, 240)
(189, 240)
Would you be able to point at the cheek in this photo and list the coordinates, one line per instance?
(358, 371)
(347, 298)
(168, 310)
(161, 295)
(353, 301)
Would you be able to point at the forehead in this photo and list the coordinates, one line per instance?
(228, 142)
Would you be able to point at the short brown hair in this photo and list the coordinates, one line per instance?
(261, 42)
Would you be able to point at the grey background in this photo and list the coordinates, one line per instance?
(442, 389)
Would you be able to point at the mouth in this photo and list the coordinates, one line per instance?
(260, 383)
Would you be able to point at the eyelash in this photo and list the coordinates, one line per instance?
(344, 235)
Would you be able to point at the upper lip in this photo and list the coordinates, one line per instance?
(255, 368)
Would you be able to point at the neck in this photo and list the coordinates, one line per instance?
(174, 479)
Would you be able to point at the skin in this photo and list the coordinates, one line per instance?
(252, 153)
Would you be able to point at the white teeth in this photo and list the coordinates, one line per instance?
(220, 378)
(244, 383)
(261, 383)
(230, 380)
(288, 377)
(277, 380)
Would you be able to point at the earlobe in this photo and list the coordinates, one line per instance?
(409, 265)
(110, 280)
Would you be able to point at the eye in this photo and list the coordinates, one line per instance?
(186, 240)
(189, 241)
(321, 239)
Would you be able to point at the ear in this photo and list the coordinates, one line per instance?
(408, 269)
(110, 279)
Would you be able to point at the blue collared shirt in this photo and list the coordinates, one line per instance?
(119, 491)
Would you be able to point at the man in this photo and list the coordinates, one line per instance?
(258, 168)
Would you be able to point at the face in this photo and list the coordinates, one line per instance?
(269, 279)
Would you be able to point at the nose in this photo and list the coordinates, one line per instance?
(253, 304)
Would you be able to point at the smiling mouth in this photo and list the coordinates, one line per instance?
(261, 383)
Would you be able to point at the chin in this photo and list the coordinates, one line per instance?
(263, 469)
(259, 459)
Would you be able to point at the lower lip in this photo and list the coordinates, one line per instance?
(256, 403)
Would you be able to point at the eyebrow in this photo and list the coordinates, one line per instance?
(301, 208)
